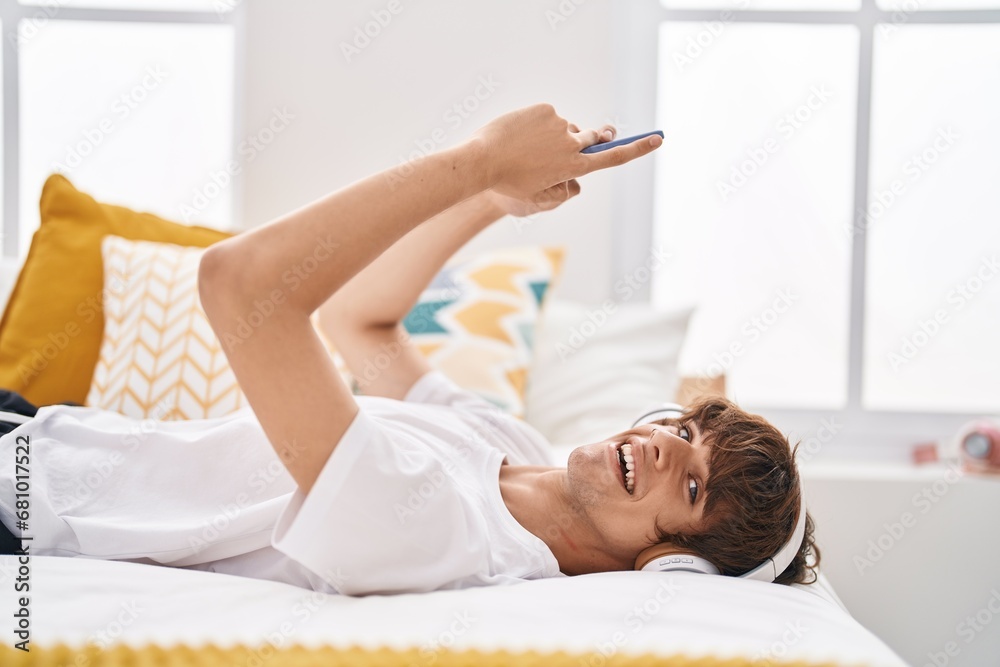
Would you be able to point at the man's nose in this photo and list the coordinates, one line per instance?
(670, 449)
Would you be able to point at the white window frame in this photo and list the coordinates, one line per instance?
(856, 432)
(12, 13)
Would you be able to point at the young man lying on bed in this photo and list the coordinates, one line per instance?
(418, 484)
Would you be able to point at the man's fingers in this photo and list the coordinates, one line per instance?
(619, 155)
(590, 137)
(552, 197)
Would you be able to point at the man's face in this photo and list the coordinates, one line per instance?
(670, 463)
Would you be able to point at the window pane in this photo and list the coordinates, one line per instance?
(932, 221)
(753, 190)
(798, 5)
(136, 114)
(218, 6)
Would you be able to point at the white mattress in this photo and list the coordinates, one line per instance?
(76, 599)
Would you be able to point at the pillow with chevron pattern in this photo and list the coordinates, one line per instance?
(160, 359)
(475, 322)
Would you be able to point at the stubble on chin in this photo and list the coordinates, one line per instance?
(582, 472)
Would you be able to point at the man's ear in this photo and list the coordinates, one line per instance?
(656, 551)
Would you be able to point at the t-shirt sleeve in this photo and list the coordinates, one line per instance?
(523, 444)
(384, 516)
(437, 388)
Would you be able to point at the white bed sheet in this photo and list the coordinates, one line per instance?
(75, 600)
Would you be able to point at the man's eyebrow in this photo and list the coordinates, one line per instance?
(694, 427)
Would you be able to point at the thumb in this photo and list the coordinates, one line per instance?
(622, 154)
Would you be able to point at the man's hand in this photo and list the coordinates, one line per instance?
(530, 150)
(546, 200)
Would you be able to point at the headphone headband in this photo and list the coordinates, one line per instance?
(767, 571)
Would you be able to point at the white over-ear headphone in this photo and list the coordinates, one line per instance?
(685, 562)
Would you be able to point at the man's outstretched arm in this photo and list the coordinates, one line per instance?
(285, 270)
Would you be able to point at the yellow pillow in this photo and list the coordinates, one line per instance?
(50, 334)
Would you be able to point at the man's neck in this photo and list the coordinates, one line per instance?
(536, 498)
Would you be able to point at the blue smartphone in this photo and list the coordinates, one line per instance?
(597, 148)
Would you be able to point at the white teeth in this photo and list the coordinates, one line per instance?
(626, 451)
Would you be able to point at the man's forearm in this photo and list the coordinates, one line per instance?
(310, 253)
(387, 289)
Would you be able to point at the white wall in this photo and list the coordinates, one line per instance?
(355, 118)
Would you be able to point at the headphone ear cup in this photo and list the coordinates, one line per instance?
(681, 563)
(663, 558)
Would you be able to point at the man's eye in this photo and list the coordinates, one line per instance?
(683, 432)
(693, 489)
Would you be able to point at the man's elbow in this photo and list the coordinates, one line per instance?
(218, 277)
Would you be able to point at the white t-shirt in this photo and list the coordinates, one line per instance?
(409, 500)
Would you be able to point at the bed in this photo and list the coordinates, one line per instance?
(92, 612)
(200, 617)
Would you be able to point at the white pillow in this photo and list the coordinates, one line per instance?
(595, 369)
